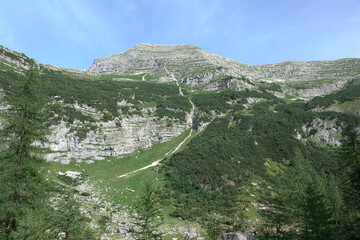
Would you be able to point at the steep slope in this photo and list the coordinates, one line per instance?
(124, 107)
(93, 118)
(231, 167)
(310, 79)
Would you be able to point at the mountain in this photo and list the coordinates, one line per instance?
(197, 68)
(217, 134)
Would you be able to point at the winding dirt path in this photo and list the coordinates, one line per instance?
(157, 162)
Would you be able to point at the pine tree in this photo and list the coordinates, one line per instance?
(278, 217)
(36, 224)
(305, 204)
(316, 221)
(335, 199)
(350, 167)
(275, 220)
(295, 183)
(21, 183)
(68, 220)
(214, 226)
(147, 217)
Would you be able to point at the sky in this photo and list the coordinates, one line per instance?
(72, 33)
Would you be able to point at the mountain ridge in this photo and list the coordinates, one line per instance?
(196, 67)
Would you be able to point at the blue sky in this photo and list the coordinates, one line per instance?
(71, 33)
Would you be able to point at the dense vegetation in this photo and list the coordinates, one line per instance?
(104, 94)
(226, 100)
(214, 172)
(26, 211)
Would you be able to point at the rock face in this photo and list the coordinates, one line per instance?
(197, 67)
(325, 131)
(150, 57)
(112, 138)
(190, 64)
(13, 59)
(237, 236)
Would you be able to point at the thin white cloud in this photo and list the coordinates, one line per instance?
(206, 13)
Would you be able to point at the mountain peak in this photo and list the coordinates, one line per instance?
(151, 58)
(163, 46)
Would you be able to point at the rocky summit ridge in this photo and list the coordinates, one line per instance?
(198, 68)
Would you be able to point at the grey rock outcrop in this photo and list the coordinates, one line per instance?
(198, 68)
(190, 64)
(116, 138)
(325, 131)
(237, 236)
(13, 59)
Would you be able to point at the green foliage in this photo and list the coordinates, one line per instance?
(68, 219)
(334, 196)
(218, 101)
(213, 226)
(233, 149)
(349, 162)
(22, 184)
(270, 86)
(316, 215)
(349, 93)
(104, 94)
(176, 102)
(171, 114)
(147, 216)
(36, 224)
(300, 203)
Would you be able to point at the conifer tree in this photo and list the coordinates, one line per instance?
(35, 224)
(146, 217)
(21, 185)
(350, 167)
(68, 220)
(335, 199)
(305, 201)
(277, 218)
(295, 183)
(214, 226)
(316, 218)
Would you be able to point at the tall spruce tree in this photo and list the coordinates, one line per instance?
(335, 199)
(277, 218)
(147, 217)
(68, 220)
(21, 185)
(296, 181)
(350, 167)
(316, 214)
(305, 202)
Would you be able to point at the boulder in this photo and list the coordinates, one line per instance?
(237, 236)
